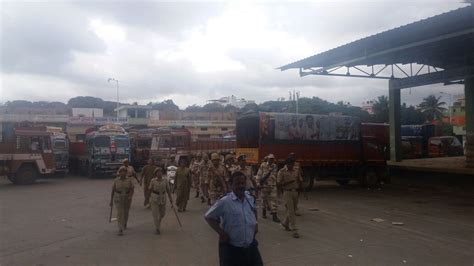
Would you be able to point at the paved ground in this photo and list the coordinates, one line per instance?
(64, 222)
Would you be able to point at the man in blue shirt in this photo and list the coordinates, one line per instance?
(234, 218)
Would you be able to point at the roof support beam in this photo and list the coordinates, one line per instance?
(432, 78)
(394, 101)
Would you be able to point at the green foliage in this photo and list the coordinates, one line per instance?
(380, 109)
(166, 105)
(432, 108)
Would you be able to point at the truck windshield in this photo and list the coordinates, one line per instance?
(144, 143)
(122, 142)
(102, 141)
(59, 144)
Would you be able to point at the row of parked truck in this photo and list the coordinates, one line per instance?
(340, 147)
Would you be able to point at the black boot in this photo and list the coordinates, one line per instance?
(197, 194)
(275, 217)
(202, 199)
(264, 213)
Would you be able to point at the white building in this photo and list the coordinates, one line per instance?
(87, 112)
(232, 100)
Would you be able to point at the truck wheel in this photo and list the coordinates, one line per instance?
(90, 171)
(343, 181)
(308, 182)
(26, 175)
(370, 177)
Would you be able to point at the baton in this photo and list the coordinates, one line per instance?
(175, 213)
(110, 214)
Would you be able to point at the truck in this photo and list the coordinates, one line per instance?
(102, 152)
(60, 145)
(177, 141)
(140, 144)
(324, 145)
(26, 154)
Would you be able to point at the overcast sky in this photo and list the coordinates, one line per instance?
(192, 51)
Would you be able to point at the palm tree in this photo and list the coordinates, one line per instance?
(432, 108)
(380, 108)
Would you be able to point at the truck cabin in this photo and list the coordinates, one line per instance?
(109, 146)
(166, 142)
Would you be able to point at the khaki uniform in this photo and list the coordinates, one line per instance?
(159, 191)
(290, 194)
(123, 191)
(183, 187)
(195, 172)
(247, 171)
(217, 177)
(204, 179)
(269, 190)
(147, 175)
(230, 169)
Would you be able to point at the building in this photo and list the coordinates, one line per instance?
(137, 115)
(87, 112)
(232, 100)
(368, 106)
(458, 116)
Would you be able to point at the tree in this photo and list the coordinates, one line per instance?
(410, 115)
(432, 108)
(380, 109)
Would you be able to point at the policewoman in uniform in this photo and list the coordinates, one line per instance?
(122, 193)
(160, 189)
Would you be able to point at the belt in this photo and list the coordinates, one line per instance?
(122, 192)
(157, 192)
(293, 189)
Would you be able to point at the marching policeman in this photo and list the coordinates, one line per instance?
(159, 188)
(289, 180)
(266, 178)
(121, 197)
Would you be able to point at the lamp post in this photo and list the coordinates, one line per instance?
(450, 105)
(117, 84)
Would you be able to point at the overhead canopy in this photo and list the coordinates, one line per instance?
(444, 41)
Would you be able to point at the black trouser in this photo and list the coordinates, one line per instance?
(236, 256)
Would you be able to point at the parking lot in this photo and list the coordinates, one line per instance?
(65, 222)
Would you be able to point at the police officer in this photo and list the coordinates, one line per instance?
(159, 187)
(251, 183)
(145, 178)
(289, 180)
(298, 169)
(183, 185)
(204, 179)
(195, 168)
(266, 178)
(121, 196)
(217, 177)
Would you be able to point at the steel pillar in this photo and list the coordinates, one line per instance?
(469, 145)
(394, 121)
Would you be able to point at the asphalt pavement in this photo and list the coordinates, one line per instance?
(65, 222)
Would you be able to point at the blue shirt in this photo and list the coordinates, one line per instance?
(238, 219)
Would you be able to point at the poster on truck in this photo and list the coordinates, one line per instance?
(308, 127)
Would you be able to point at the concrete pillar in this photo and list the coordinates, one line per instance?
(395, 123)
(469, 146)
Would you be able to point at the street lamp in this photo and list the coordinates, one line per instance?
(450, 105)
(116, 82)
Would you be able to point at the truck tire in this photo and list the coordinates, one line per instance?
(343, 181)
(90, 171)
(370, 177)
(26, 175)
(308, 181)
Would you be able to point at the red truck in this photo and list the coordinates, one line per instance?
(178, 141)
(325, 146)
(26, 154)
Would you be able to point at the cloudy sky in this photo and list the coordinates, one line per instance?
(191, 51)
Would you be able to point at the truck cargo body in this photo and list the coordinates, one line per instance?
(336, 146)
(178, 142)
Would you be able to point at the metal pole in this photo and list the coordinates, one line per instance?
(117, 100)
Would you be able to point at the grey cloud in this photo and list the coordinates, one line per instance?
(40, 38)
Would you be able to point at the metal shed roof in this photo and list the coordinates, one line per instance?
(445, 41)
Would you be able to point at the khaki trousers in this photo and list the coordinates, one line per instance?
(269, 199)
(122, 207)
(158, 212)
(291, 200)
